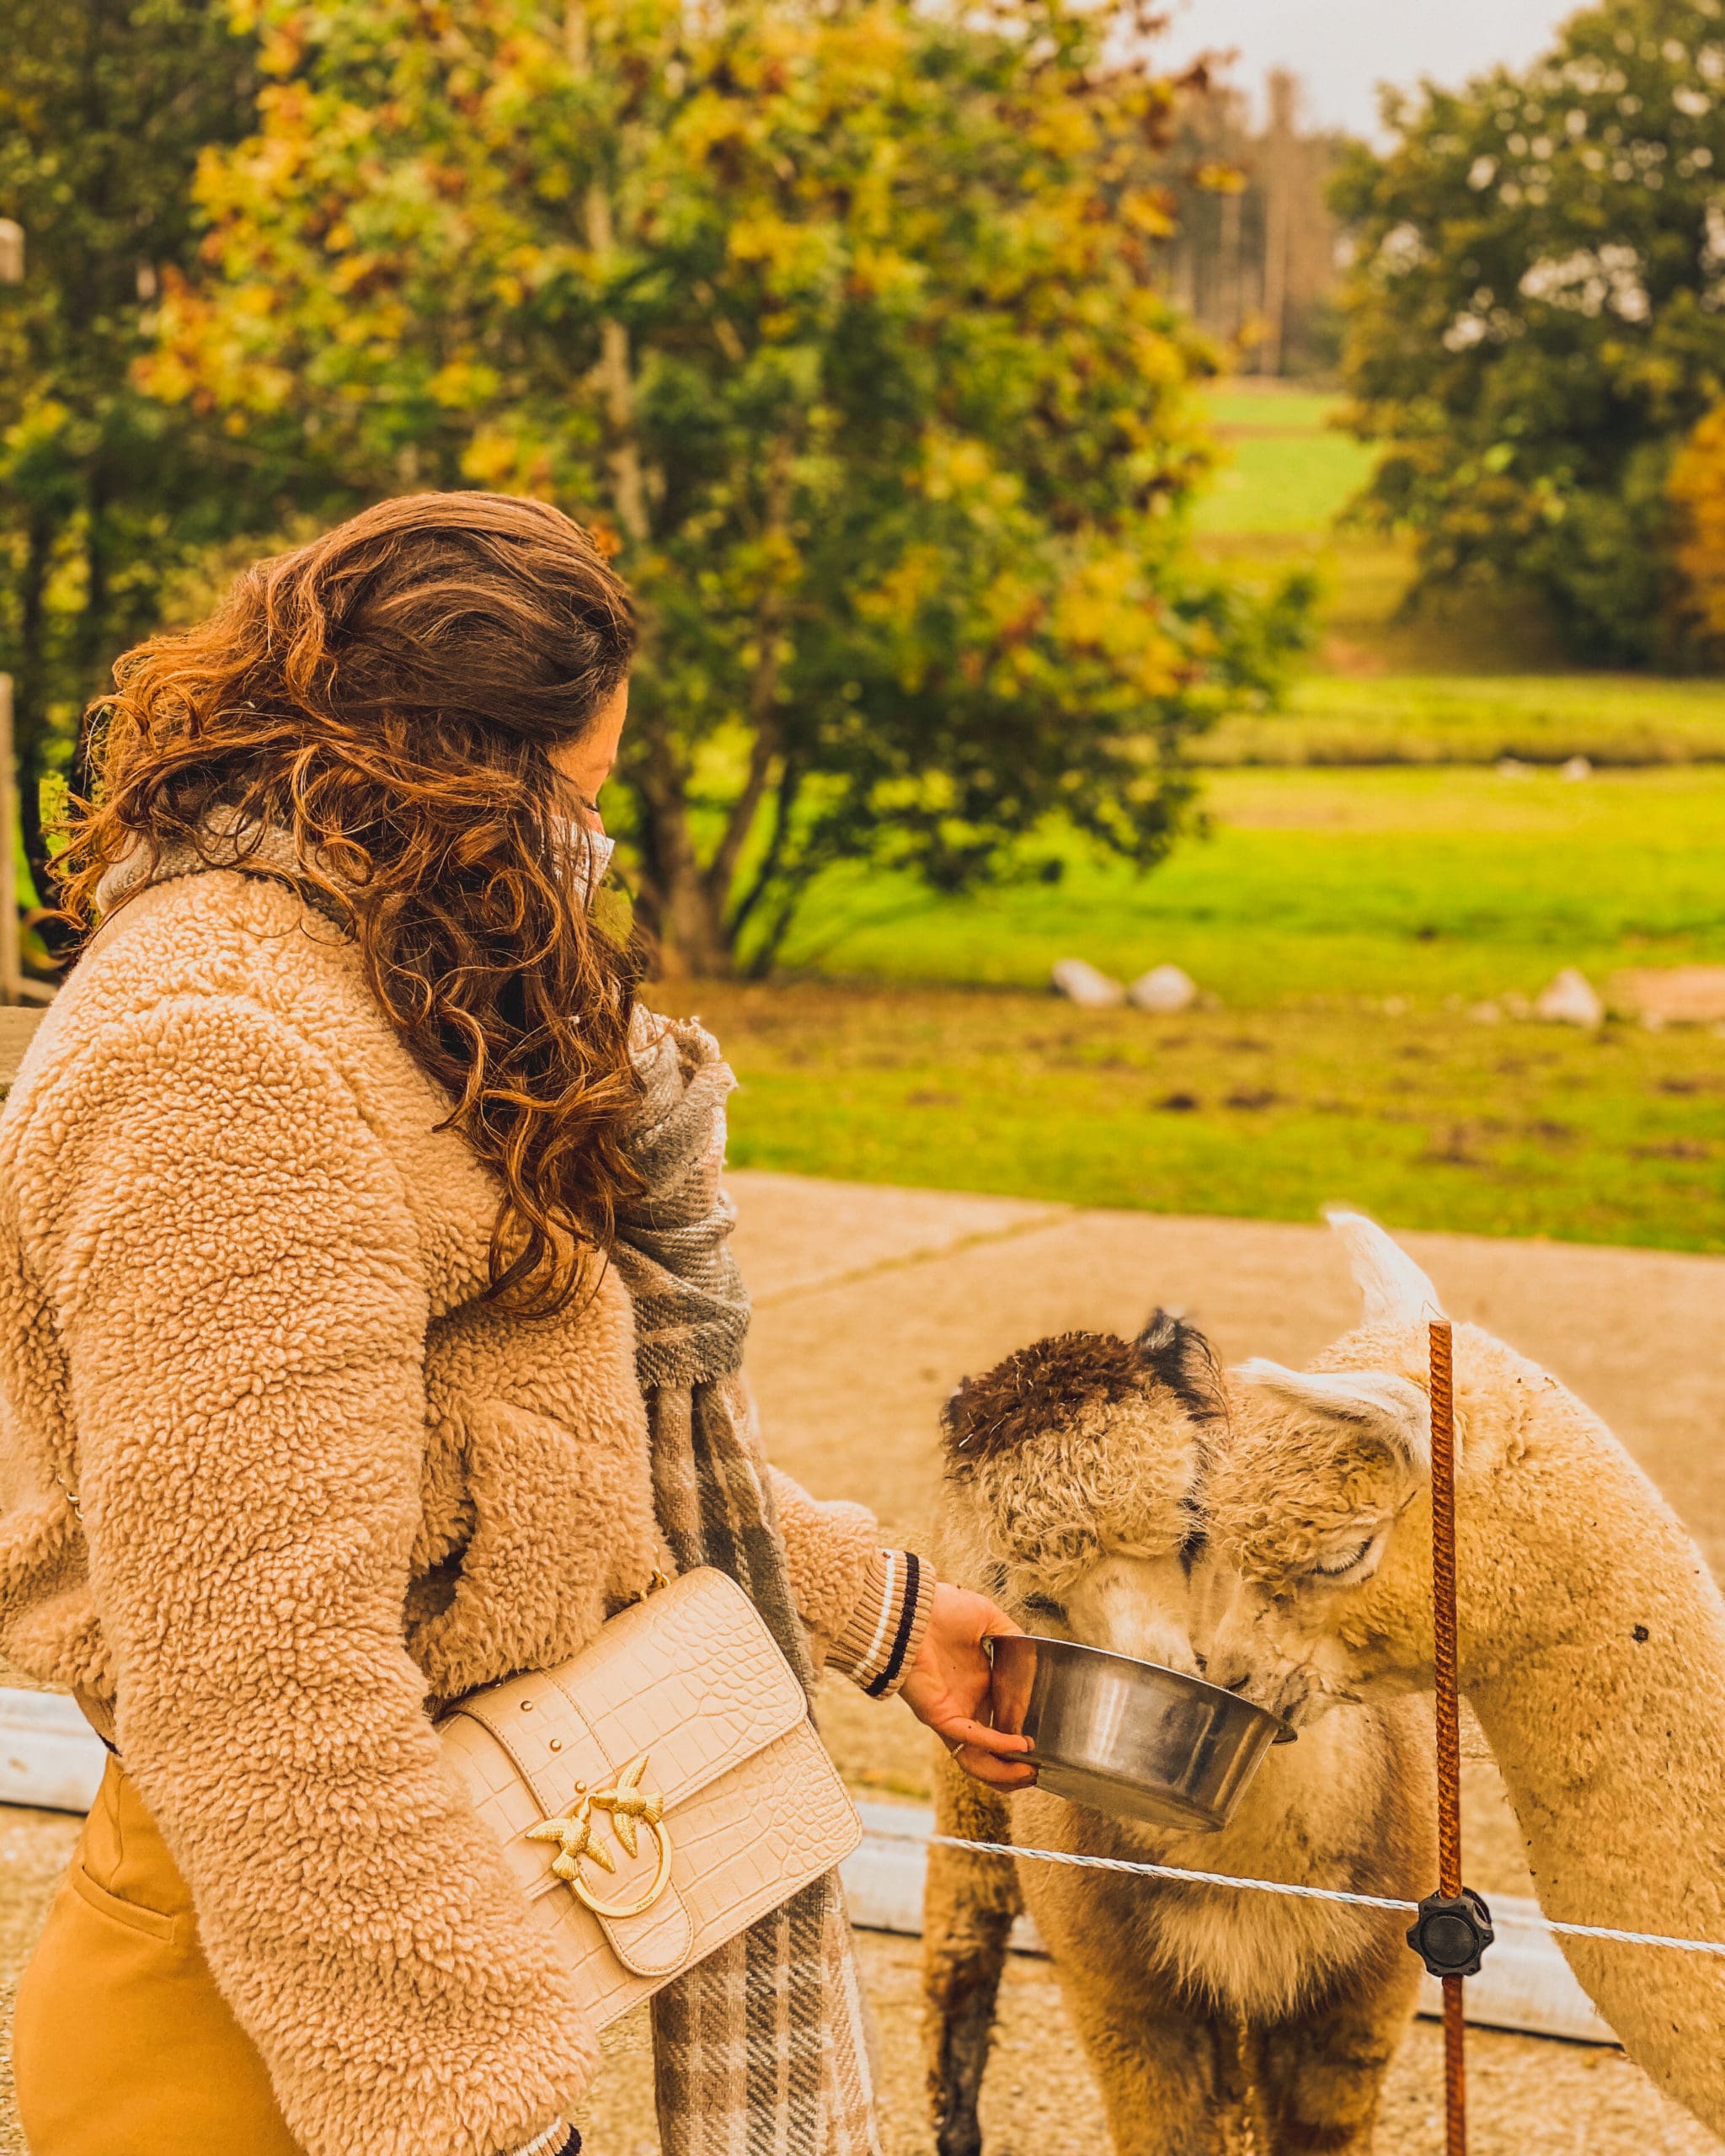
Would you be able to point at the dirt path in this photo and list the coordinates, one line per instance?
(873, 1302)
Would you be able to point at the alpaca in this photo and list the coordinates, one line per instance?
(1072, 1476)
(1592, 1636)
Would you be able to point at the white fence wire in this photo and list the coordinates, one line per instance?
(1178, 1873)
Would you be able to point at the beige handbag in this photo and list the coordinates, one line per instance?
(657, 1793)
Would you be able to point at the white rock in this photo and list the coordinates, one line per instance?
(1570, 1000)
(1516, 1005)
(1512, 767)
(1086, 985)
(1163, 991)
(1395, 1006)
(1486, 1014)
(1578, 768)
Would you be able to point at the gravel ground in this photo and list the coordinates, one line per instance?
(871, 1303)
(1527, 2097)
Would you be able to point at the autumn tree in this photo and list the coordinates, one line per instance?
(104, 107)
(841, 322)
(1536, 313)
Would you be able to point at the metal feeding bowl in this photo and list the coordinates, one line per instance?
(1128, 1737)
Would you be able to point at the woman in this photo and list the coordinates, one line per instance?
(322, 1387)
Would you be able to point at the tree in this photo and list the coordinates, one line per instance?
(840, 322)
(1535, 314)
(1698, 491)
(105, 105)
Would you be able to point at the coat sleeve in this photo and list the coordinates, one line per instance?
(830, 1550)
(242, 1306)
(867, 1608)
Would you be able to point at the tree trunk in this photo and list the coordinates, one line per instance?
(30, 704)
(688, 905)
(615, 371)
(680, 909)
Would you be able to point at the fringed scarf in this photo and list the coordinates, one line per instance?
(760, 2050)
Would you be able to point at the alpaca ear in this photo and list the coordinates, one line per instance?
(1391, 1286)
(1385, 1409)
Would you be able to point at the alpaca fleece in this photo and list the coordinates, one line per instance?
(322, 1488)
(1076, 1489)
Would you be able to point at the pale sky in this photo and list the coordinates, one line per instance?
(1341, 48)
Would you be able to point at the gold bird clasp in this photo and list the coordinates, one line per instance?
(629, 1806)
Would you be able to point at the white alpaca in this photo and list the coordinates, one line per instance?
(1592, 1635)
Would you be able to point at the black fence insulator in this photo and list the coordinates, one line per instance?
(1451, 1934)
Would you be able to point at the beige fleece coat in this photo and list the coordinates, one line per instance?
(320, 1486)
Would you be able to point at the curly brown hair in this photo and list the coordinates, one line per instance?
(389, 694)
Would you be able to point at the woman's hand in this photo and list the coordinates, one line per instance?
(948, 1687)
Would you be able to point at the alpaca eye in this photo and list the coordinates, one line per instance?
(1338, 1563)
(1045, 1605)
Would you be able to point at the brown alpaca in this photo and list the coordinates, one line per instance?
(1074, 1477)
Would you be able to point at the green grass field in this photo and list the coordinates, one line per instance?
(1285, 468)
(1465, 678)
(1610, 718)
(1421, 884)
(1424, 1118)
(1348, 923)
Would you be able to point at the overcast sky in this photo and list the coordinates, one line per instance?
(1342, 48)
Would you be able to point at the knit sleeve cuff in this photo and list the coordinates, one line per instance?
(880, 1643)
(560, 2138)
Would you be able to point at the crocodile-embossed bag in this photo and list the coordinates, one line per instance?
(657, 1793)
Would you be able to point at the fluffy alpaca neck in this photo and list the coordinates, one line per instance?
(1593, 1653)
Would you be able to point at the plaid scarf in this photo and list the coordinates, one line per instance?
(762, 2049)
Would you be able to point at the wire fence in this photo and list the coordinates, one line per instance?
(1180, 1874)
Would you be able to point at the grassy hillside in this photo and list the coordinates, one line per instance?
(1464, 677)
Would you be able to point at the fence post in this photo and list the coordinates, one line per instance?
(11, 961)
(12, 981)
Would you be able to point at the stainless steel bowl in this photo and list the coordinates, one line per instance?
(1127, 1737)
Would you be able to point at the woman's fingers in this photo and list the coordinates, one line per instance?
(954, 1730)
(994, 1774)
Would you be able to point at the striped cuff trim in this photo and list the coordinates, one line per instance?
(879, 1641)
(553, 2137)
(898, 1661)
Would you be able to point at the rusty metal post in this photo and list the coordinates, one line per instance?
(1454, 1926)
(1449, 1714)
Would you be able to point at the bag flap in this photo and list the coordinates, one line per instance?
(691, 1676)
(676, 1692)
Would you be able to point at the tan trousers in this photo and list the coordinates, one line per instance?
(122, 2045)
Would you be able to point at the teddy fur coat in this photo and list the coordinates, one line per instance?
(273, 1481)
